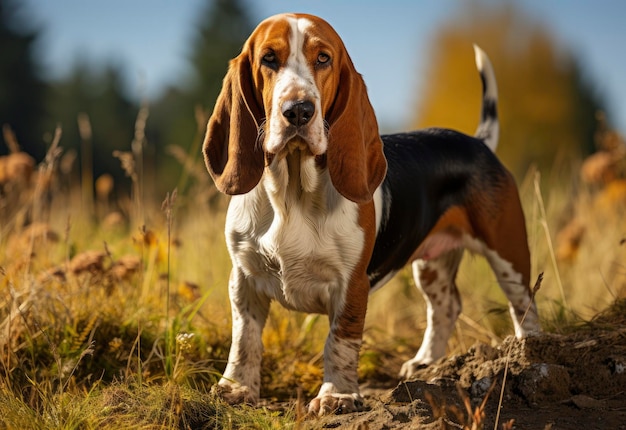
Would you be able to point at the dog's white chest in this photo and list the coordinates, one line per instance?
(303, 256)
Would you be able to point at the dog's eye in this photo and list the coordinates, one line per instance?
(323, 59)
(269, 60)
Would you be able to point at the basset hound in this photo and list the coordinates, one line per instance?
(324, 210)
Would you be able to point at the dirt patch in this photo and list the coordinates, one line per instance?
(553, 381)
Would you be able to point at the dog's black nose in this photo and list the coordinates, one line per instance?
(299, 112)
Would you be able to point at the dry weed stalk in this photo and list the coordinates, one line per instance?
(203, 188)
(17, 166)
(127, 161)
(189, 162)
(137, 146)
(476, 417)
(42, 197)
(104, 186)
(546, 229)
(439, 409)
(16, 172)
(168, 207)
(472, 419)
(10, 139)
(132, 164)
(508, 352)
(86, 162)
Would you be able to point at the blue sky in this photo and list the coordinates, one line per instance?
(388, 40)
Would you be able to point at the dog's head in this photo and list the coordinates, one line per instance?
(294, 87)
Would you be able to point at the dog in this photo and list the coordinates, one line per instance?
(324, 210)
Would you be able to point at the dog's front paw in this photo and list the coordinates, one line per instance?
(410, 368)
(335, 403)
(233, 393)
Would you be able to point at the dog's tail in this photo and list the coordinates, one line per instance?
(489, 127)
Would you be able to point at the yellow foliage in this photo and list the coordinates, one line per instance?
(546, 109)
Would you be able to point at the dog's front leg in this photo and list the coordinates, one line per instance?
(241, 380)
(340, 391)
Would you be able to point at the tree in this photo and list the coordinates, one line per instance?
(96, 117)
(221, 34)
(22, 91)
(547, 108)
(222, 28)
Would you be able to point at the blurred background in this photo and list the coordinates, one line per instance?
(105, 70)
(103, 106)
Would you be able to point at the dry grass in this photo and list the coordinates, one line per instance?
(118, 316)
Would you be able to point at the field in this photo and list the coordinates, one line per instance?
(114, 314)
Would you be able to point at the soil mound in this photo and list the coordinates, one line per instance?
(553, 381)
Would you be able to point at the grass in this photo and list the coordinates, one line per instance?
(126, 324)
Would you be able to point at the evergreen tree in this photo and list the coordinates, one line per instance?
(222, 29)
(221, 34)
(94, 97)
(22, 91)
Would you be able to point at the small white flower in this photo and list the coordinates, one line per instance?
(183, 340)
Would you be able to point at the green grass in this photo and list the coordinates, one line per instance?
(138, 406)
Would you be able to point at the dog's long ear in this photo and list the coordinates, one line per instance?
(356, 162)
(232, 155)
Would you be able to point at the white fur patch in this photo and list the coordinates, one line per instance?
(511, 282)
(435, 280)
(298, 239)
(295, 81)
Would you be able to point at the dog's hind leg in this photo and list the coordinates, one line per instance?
(505, 245)
(521, 306)
(436, 280)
